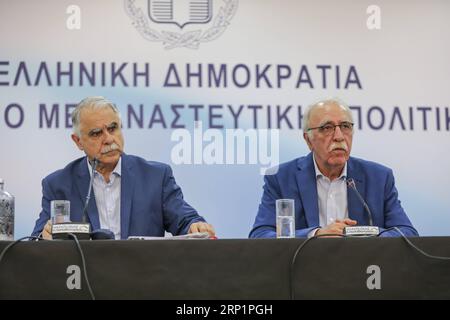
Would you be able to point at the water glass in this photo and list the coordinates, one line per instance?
(60, 211)
(285, 218)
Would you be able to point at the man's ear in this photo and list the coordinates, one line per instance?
(308, 142)
(76, 139)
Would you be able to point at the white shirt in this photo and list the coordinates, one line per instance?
(332, 197)
(107, 198)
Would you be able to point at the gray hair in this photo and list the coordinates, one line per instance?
(96, 102)
(336, 101)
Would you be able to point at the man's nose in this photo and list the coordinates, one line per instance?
(108, 137)
(338, 135)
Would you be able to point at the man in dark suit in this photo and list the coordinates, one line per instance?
(132, 196)
(318, 183)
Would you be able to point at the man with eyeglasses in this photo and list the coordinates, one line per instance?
(132, 196)
(318, 183)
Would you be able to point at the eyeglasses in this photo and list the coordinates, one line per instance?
(328, 129)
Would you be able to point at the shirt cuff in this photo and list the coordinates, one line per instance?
(312, 233)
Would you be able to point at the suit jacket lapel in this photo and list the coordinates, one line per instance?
(126, 196)
(356, 209)
(82, 182)
(307, 186)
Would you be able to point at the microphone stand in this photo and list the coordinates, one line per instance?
(81, 229)
(361, 231)
(98, 234)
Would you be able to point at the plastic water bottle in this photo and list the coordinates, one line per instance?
(6, 214)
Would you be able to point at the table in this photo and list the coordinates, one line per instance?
(332, 268)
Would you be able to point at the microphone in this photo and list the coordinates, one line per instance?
(98, 234)
(94, 164)
(370, 230)
(81, 229)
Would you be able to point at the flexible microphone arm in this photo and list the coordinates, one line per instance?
(98, 234)
(88, 197)
(352, 185)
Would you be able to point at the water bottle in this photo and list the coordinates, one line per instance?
(6, 214)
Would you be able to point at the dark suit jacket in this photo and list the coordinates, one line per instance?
(150, 201)
(297, 180)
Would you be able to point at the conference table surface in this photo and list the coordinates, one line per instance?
(254, 269)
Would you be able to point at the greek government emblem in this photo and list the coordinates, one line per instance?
(181, 23)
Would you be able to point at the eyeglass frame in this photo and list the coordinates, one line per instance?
(322, 127)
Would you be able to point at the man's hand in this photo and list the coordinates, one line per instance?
(336, 227)
(47, 232)
(202, 227)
